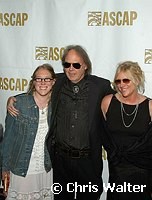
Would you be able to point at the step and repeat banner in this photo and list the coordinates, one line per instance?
(34, 32)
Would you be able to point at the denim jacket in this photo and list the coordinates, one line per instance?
(19, 136)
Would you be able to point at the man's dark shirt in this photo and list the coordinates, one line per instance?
(72, 115)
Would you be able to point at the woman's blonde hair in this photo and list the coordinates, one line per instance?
(135, 74)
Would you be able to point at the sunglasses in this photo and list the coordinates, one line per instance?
(43, 79)
(125, 80)
(75, 65)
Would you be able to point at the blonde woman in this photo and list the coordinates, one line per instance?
(128, 135)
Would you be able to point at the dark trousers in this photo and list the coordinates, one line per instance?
(77, 178)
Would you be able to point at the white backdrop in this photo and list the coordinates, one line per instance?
(36, 31)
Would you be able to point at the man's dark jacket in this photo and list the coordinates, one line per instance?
(98, 88)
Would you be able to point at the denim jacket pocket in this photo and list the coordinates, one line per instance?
(26, 123)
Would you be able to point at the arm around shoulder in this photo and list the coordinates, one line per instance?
(105, 104)
(150, 108)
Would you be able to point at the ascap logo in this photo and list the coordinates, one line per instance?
(13, 19)
(13, 84)
(126, 18)
(94, 18)
(48, 53)
(148, 56)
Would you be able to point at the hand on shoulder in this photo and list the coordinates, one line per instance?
(10, 106)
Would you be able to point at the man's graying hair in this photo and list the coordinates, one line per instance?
(82, 53)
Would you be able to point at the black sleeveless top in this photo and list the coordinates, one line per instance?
(129, 148)
(124, 136)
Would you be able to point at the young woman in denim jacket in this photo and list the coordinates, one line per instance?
(26, 161)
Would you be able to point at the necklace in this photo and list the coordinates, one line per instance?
(123, 112)
(44, 110)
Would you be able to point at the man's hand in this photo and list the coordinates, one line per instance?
(10, 106)
(6, 181)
